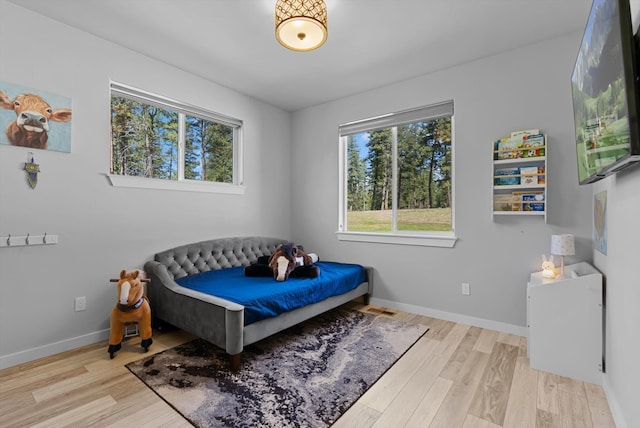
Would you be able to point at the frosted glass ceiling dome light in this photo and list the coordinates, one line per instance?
(301, 25)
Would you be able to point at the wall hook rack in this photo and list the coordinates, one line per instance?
(27, 240)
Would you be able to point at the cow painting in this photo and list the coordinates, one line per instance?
(33, 116)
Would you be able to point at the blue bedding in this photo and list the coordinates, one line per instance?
(264, 297)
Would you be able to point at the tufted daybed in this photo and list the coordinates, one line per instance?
(218, 320)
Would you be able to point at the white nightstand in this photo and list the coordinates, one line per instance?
(565, 321)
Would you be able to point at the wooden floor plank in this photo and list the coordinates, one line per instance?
(439, 329)
(492, 395)
(546, 419)
(598, 406)
(382, 393)
(455, 406)
(425, 412)
(570, 385)
(67, 385)
(574, 410)
(475, 422)
(509, 339)
(450, 343)
(78, 398)
(523, 352)
(78, 415)
(30, 380)
(358, 416)
(408, 399)
(486, 341)
(155, 415)
(461, 353)
(547, 399)
(521, 408)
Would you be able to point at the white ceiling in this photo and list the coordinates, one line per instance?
(371, 42)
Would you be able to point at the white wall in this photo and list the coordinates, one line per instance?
(522, 89)
(622, 280)
(103, 229)
(621, 269)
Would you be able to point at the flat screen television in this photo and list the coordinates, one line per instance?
(605, 93)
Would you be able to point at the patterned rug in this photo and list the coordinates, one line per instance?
(305, 376)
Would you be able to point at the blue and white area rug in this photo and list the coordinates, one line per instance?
(306, 376)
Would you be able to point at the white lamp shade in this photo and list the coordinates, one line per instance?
(301, 34)
(562, 245)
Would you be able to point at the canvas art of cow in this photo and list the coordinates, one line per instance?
(33, 114)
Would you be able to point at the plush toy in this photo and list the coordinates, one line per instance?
(287, 261)
(548, 268)
(132, 306)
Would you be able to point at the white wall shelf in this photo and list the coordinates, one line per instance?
(512, 182)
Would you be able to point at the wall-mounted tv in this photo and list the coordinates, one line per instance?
(605, 93)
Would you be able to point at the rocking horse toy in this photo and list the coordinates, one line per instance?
(287, 260)
(132, 306)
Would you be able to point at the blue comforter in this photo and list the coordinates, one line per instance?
(264, 297)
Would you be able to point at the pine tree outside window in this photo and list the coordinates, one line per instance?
(172, 145)
(396, 175)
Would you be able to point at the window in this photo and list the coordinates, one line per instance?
(156, 141)
(396, 178)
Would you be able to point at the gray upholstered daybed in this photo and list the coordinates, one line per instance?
(218, 320)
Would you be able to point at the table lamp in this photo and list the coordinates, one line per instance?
(562, 245)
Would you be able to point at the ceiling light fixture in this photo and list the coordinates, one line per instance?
(301, 25)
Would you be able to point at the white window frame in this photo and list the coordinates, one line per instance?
(430, 238)
(236, 187)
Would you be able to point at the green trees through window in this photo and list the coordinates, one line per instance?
(208, 151)
(164, 140)
(144, 140)
(399, 177)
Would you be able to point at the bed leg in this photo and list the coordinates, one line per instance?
(234, 362)
(366, 298)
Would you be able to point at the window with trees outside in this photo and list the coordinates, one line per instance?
(157, 138)
(396, 178)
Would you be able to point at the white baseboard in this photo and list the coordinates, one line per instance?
(518, 330)
(52, 348)
(618, 419)
(87, 339)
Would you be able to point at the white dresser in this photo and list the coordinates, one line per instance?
(565, 323)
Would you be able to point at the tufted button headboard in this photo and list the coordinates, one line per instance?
(216, 254)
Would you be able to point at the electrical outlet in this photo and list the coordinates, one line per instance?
(81, 303)
(465, 289)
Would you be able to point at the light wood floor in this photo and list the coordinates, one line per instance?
(455, 376)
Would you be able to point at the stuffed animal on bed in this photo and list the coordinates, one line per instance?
(132, 306)
(287, 261)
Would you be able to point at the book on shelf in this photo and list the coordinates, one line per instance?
(520, 201)
(533, 146)
(509, 149)
(537, 203)
(529, 175)
(542, 178)
(502, 202)
(523, 133)
(521, 144)
(508, 176)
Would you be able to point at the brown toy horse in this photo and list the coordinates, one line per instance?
(132, 306)
(288, 257)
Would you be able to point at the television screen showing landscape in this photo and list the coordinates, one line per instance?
(599, 92)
